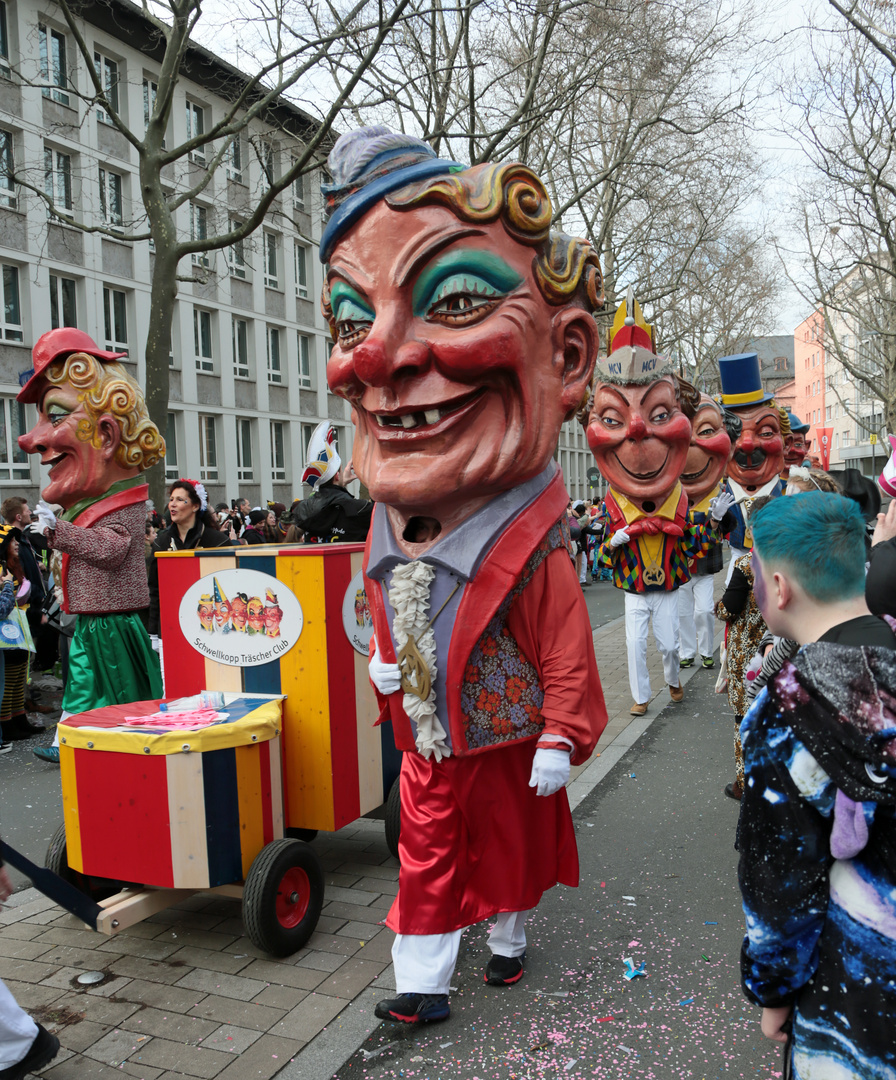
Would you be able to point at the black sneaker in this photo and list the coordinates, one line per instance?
(410, 1009)
(504, 970)
(686, 661)
(44, 1048)
(5, 748)
(708, 661)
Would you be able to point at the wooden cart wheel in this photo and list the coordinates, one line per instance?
(97, 888)
(393, 818)
(282, 897)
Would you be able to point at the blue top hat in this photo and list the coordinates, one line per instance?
(741, 383)
(797, 426)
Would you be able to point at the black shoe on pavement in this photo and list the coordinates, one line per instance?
(686, 661)
(733, 791)
(5, 747)
(44, 1048)
(708, 661)
(12, 732)
(504, 970)
(410, 1009)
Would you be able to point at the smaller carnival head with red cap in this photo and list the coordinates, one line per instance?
(93, 429)
(758, 457)
(639, 423)
(713, 433)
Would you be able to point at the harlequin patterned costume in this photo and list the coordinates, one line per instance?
(746, 627)
(514, 660)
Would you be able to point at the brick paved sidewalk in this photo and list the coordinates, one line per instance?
(186, 994)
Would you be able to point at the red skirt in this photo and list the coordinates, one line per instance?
(476, 840)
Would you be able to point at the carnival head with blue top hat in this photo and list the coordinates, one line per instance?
(462, 326)
(758, 457)
(796, 451)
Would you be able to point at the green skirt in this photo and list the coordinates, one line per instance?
(110, 662)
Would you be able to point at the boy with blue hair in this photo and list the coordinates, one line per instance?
(817, 834)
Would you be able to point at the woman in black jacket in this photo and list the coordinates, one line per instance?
(192, 526)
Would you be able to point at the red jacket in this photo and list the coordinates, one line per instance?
(548, 620)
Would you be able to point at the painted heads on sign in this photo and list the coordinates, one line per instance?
(639, 422)
(206, 612)
(759, 451)
(239, 611)
(93, 429)
(462, 326)
(713, 434)
(273, 615)
(255, 615)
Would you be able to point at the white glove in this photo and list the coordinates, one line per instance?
(720, 505)
(619, 538)
(156, 642)
(550, 771)
(46, 519)
(385, 677)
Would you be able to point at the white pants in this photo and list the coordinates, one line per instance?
(640, 609)
(696, 613)
(736, 553)
(65, 716)
(17, 1030)
(424, 963)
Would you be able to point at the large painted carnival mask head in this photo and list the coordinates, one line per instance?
(462, 327)
(92, 428)
(759, 450)
(639, 423)
(797, 450)
(713, 432)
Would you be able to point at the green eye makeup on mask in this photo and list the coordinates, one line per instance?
(477, 273)
(348, 306)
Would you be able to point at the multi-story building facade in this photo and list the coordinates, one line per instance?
(809, 374)
(249, 345)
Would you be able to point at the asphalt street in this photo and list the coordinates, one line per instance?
(658, 886)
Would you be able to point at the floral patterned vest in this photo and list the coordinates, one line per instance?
(502, 694)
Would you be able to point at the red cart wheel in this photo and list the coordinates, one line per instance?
(282, 897)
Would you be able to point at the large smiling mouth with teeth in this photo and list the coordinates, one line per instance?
(403, 425)
(51, 463)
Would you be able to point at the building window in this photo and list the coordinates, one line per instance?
(7, 169)
(171, 470)
(202, 338)
(4, 41)
(304, 360)
(278, 451)
(307, 432)
(107, 73)
(13, 460)
(244, 450)
(63, 302)
(208, 449)
(199, 231)
(58, 180)
(267, 156)
(275, 370)
(298, 189)
(302, 271)
(195, 129)
(11, 326)
(236, 254)
(150, 92)
(240, 331)
(271, 276)
(110, 198)
(235, 160)
(115, 318)
(830, 411)
(53, 64)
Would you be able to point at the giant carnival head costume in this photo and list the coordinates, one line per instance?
(758, 455)
(714, 432)
(639, 423)
(887, 478)
(323, 462)
(93, 429)
(462, 326)
(797, 450)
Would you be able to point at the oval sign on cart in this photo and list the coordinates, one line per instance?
(356, 615)
(240, 617)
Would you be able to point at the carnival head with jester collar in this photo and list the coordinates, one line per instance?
(758, 457)
(462, 326)
(639, 421)
(92, 427)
